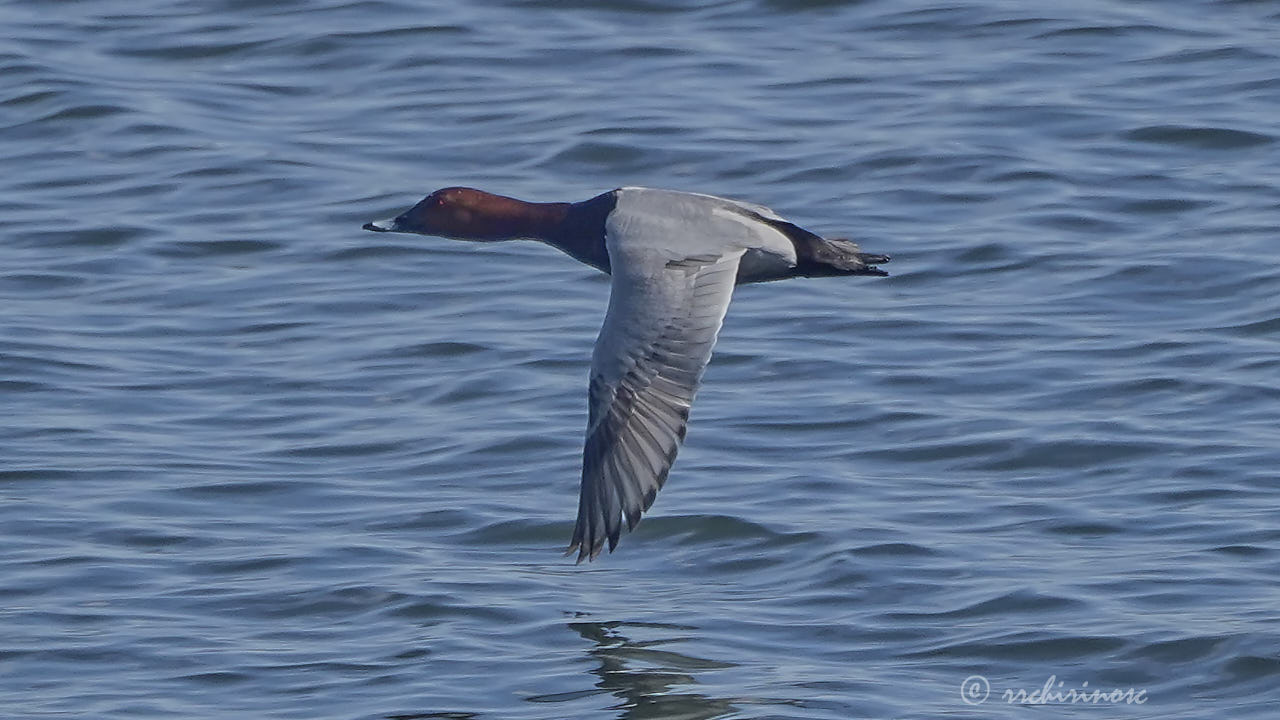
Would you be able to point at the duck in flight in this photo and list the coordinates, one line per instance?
(673, 259)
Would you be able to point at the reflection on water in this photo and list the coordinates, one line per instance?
(434, 716)
(642, 675)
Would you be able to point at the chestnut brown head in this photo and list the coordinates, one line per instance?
(464, 213)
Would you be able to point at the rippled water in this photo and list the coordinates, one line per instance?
(258, 463)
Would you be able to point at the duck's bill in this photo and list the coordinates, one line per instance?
(381, 225)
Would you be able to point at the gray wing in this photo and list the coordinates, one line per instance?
(658, 333)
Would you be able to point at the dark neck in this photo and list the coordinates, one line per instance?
(579, 229)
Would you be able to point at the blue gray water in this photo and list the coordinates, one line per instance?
(256, 462)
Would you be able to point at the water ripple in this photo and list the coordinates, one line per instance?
(252, 449)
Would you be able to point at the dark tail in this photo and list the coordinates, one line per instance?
(817, 256)
(820, 257)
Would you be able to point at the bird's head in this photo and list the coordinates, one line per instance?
(463, 213)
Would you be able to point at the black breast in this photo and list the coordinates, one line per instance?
(581, 235)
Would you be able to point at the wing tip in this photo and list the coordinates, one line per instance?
(588, 552)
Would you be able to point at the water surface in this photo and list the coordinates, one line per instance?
(258, 463)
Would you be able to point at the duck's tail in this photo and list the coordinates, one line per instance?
(820, 257)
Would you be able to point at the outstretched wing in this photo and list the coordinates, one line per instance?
(658, 333)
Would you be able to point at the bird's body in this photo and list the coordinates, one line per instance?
(674, 259)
